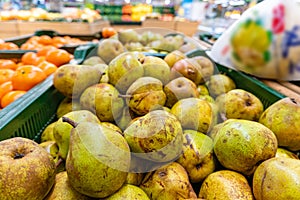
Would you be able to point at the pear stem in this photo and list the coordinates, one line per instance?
(124, 95)
(70, 121)
(60, 160)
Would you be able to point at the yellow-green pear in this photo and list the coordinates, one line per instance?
(62, 129)
(197, 157)
(109, 48)
(283, 118)
(144, 94)
(174, 56)
(226, 185)
(156, 136)
(281, 152)
(98, 160)
(47, 134)
(194, 113)
(240, 145)
(134, 178)
(103, 100)
(67, 105)
(219, 84)
(62, 190)
(277, 178)
(240, 104)
(168, 182)
(123, 70)
(127, 192)
(157, 68)
(71, 80)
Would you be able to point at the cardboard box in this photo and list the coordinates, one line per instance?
(188, 28)
(8, 29)
(148, 23)
(79, 28)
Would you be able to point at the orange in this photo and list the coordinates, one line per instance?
(58, 57)
(10, 97)
(29, 58)
(47, 67)
(1, 41)
(8, 64)
(28, 46)
(39, 60)
(27, 76)
(5, 88)
(8, 46)
(60, 40)
(6, 75)
(44, 50)
(45, 40)
(108, 32)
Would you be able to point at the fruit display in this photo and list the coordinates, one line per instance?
(38, 14)
(136, 126)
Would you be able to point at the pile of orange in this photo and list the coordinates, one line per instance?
(16, 78)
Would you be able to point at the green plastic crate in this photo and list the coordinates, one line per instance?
(244, 81)
(22, 39)
(31, 113)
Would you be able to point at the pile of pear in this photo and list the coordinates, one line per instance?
(144, 127)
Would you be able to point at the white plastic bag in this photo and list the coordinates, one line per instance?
(264, 42)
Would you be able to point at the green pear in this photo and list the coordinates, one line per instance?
(144, 94)
(72, 80)
(104, 78)
(93, 60)
(207, 67)
(219, 84)
(171, 43)
(149, 36)
(240, 104)
(156, 136)
(283, 118)
(194, 113)
(188, 68)
(174, 56)
(98, 160)
(102, 99)
(226, 185)
(241, 145)
(134, 178)
(61, 131)
(168, 182)
(179, 88)
(62, 190)
(47, 134)
(128, 191)
(134, 46)
(52, 148)
(187, 47)
(202, 89)
(123, 70)
(128, 35)
(67, 105)
(126, 117)
(112, 126)
(281, 152)
(277, 178)
(197, 157)
(157, 68)
(109, 48)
